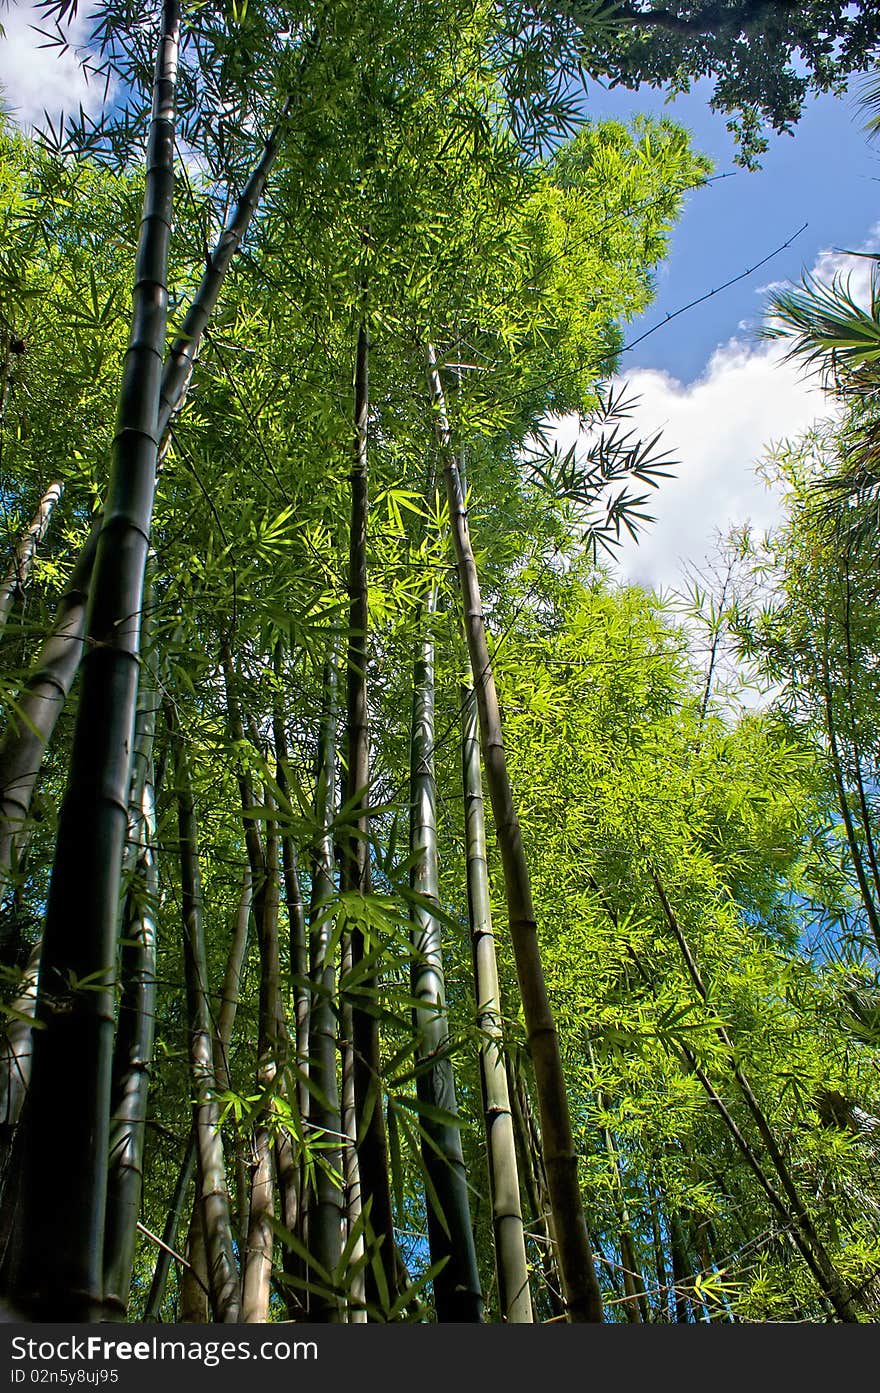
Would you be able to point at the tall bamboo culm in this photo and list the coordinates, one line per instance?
(457, 1295)
(211, 1208)
(133, 1049)
(325, 1125)
(48, 685)
(375, 1189)
(582, 1296)
(514, 1297)
(70, 1087)
(16, 577)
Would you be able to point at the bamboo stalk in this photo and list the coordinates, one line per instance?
(325, 1123)
(194, 1292)
(299, 941)
(231, 989)
(212, 1195)
(373, 1164)
(849, 826)
(351, 1205)
(16, 577)
(27, 736)
(582, 1295)
(457, 1295)
(288, 1161)
(256, 1285)
(256, 1279)
(228, 1009)
(855, 744)
(169, 1233)
(72, 1054)
(659, 1259)
(38, 707)
(514, 1297)
(16, 1053)
(133, 1051)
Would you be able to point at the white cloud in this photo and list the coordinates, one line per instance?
(36, 79)
(718, 428)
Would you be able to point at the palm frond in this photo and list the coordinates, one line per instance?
(869, 101)
(830, 332)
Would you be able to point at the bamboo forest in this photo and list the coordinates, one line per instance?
(404, 917)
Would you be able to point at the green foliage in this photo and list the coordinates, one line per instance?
(430, 184)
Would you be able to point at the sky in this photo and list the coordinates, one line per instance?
(720, 394)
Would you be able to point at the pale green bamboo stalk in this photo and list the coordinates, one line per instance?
(17, 576)
(514, 1297)
(457, 1295)
(582, 1295)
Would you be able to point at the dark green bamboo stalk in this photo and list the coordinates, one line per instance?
(375, 1191)
(27, 736)
(457, 1295)
(351, 1205)
(681, 1268)
(582, 1295)
(256, 1277)
(212, 1193)
(70, 1089)
(288, 1161)
(325, 1124)
(299, 942)
(156, 1293)
(133, 1051)
(228, 1008)
(531, 1164)
(514, 1297)
(16, 577)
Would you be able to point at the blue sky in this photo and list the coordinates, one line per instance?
(720, 395)
(826, 175)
